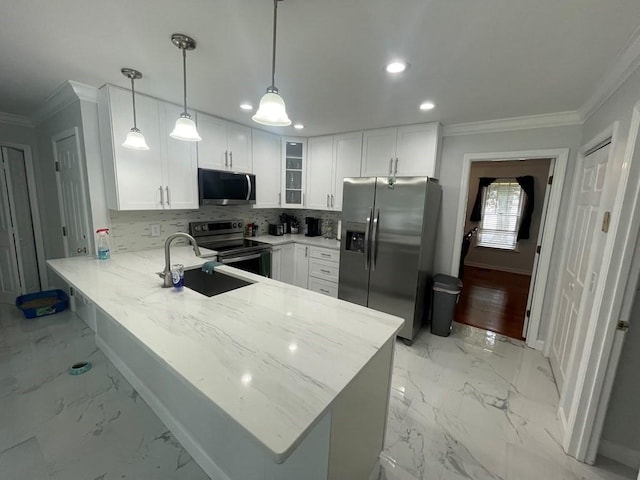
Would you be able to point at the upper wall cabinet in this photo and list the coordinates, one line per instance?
(412, 150)
(224, 145)
(163, 177)
(267, 160)
(293, 172)
(330, 160)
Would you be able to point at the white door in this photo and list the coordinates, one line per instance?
(378, 152)
(416, 151)
(72, 194)
(584, 238)
(347, 157)
(9, 275)
(239, 143)
(212, 149)
(180, 169)
(301, 262)
(319, 174)
(267, 167)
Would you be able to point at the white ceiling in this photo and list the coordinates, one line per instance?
(476, 59)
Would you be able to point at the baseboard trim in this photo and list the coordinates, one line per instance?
(193, 447)
(499, 268)
(540, 345)
(625, 455)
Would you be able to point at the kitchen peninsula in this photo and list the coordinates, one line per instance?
(268, 381)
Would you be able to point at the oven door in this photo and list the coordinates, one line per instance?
(258, 263)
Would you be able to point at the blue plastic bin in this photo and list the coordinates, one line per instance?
(42, 303)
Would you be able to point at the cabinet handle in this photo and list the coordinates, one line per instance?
(168, 199)
(280, 198)
(332, 200)
(395, 171)
(390, 166)
(306, 251)
(327, 200)
(226, 158)
(161, 195)
(230, 159)
(325, 255)
(325, 291)
(325, 271)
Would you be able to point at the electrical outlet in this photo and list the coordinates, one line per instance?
(155, 229)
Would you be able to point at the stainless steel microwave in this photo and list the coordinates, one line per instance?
(219, 187)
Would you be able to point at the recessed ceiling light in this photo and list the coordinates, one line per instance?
(298, 126)
(427, 106)
(396, 67)
(246, 106)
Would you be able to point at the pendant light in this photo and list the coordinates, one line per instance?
(135, 140)
(272, 110)
(185, 128)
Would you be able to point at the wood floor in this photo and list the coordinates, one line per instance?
(493, 300)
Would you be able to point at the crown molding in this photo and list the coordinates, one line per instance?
(559, 119)
(62, 97)
(13, 119)
(626, 63)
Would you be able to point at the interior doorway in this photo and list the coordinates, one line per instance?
(508, 211)
(21, 248)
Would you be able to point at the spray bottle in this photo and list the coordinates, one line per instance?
(103, 244)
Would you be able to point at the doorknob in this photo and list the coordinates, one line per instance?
(82, 250)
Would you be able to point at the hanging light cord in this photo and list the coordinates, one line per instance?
(273, 56)
(184, 76)
(133, 98)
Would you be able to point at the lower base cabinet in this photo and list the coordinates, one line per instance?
(313, 268)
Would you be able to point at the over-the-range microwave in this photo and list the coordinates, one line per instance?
(219, 187)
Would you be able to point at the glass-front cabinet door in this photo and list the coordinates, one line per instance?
(293, 171)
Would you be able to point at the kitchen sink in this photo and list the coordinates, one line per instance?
(210, 284)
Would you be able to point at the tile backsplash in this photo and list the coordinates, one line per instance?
(131, 231)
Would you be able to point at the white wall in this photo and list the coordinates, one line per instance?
(623, 414)
(520, 260)
(454, 149)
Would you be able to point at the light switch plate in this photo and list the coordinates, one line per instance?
(155, 229)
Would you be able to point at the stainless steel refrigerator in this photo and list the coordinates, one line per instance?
(388, 238)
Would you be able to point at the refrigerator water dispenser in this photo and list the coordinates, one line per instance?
(355, 241)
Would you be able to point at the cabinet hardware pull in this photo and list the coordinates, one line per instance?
(280, 198)
(306, 251)
(168, 199)
(325, 254)
(390, 166)
(327, 200)
(395, 171)
(161, 195)
(325, 271)
(231, 159)
(325, 291)
(332, 200)
(226, 158)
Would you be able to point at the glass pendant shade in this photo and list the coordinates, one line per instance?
(272, 110)
(185, 129)
(135, 140)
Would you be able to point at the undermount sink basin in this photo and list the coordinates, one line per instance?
(211, 284)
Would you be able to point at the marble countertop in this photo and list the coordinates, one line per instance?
(299, 238)
(272, 356)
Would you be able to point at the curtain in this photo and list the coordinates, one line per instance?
(526, 183)
(476, 213)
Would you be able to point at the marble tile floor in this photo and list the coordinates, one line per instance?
(474, 405)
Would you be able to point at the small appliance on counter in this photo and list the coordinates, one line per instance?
(276, 229)
(313, 226)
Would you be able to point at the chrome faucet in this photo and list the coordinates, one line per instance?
(166, 273)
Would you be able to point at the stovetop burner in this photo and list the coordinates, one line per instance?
(225, 237)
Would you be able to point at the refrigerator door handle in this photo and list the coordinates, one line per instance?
(367, 250)
(374, 240)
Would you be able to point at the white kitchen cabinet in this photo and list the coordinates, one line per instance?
(324, 287)
(412, 150)
(347, 158)
(267, 167)
(293, 172)
(287, 263)
(163, 177)
(330, 160)
(224, 145)
(319, 172)
(301, 262)
(324, 269)
(276, 261)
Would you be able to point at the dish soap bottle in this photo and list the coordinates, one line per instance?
(103, 244)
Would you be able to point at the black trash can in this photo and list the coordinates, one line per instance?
(446, 291)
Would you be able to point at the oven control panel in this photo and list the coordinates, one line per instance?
(197, 229)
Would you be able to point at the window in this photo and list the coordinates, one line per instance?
(501, 211)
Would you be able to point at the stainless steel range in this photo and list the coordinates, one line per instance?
(227, 238)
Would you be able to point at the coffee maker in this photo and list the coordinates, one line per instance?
(313, 226)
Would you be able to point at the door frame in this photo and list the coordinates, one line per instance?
(35, 210)
(73, 131)
(560, 157)
(601, 351)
